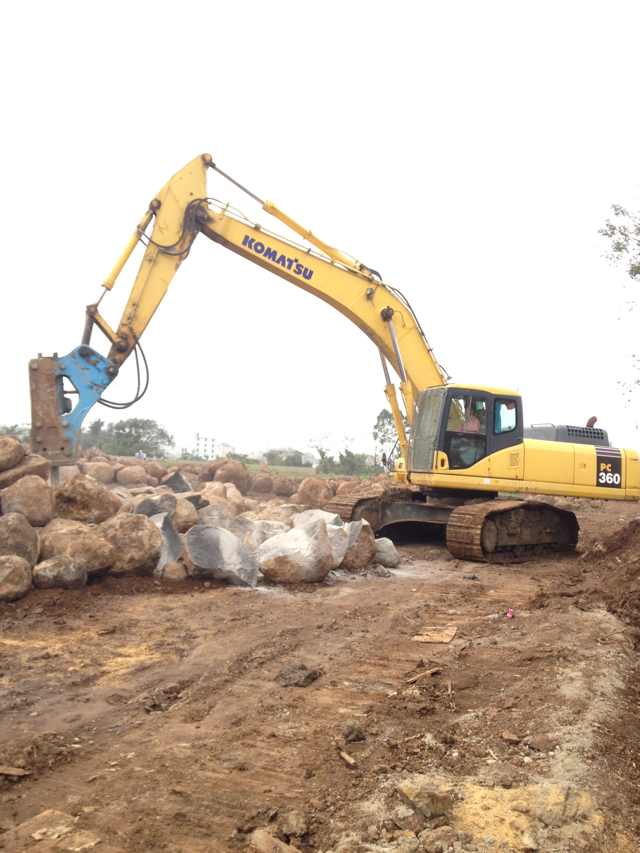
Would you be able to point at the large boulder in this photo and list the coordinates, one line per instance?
(185, 515)
(213, 552)
(303, 554)
(132, 475)
(137, 543)
(262, 483)
(284, 487)
(15, 577)
(235, 498)
(275, 512)
(32, 464)
(386, 553)
(177, 482)
(253, 533)
(68, 472)
(222, 505)
(361, 548)
(314, 516)
(103, 472)
(155, 469)
(313, 492)
(213, 490)
(84, 499)
(339, 540)
(32, 497)
(83, 544)
(59, 572)
(18, 538)
(234, 472)
(11, 452)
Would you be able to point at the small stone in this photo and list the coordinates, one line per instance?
(297, 675)
(353, 733)
(510, 737)
(262, 841)
(420, 793)
(293, 824)
(542, 743)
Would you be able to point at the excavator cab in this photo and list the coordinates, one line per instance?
(457, 426)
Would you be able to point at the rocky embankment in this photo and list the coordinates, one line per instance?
(215, 521)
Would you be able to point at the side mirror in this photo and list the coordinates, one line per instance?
(384, 458)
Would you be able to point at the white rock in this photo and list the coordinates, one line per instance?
(213, 552)
(386, 553)
(303, 554)
(312, 516)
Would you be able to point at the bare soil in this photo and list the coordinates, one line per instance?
(154, 715)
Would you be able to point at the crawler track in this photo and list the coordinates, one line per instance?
(509, 531)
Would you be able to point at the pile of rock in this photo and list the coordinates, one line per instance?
(124, 516)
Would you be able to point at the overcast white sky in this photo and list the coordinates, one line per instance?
(469, 151)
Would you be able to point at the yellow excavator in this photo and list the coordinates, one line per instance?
(465, 445)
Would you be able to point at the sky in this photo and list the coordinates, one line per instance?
(469, 151)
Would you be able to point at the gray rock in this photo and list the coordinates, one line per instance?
(195, 498)
(18, 538)
(339, 540)
(386, 553)
(151, 505)
(59, 572)
(253, 533)
(177, 482)
(303, 554)
(213, 552)
(15, 577)
(172, 546)
(217, 515)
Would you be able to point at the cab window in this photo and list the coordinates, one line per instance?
(466, 433)
(505, 417)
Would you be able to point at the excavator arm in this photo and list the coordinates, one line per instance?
(180, 212)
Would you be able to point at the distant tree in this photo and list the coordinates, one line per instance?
(623, 233)
(19, 431)
(384, 432)
(289, 458)
(242, 457)
(126, 437)
(92, 435)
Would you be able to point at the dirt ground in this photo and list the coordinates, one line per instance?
(152, 714)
